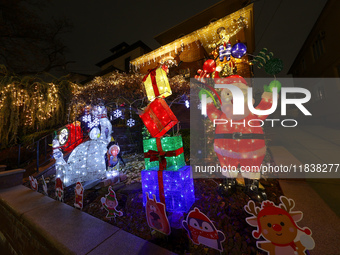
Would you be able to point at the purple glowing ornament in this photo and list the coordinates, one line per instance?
(238, 50)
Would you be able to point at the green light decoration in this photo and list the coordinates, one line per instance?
(168, 144)
(272, 66)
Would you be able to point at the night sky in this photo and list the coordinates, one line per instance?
(280, 25)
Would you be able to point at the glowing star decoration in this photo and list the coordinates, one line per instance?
(277, 225)
(33, 183)
(130, 122)
(156, 216)
(110, 203)
(44, 186)
(202, 231)
(79, 193)
(156, 83)
(117, 113)
(59, 189)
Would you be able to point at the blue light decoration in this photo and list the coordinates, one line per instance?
(117, 113)
(89, 121)
(178, 188)
(239, 50)
(130, 122)
(228, 51)
(86, 118)
(94, 123)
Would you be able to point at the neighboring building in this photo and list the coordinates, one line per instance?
(120, 59)
(319, 57)
(122, 54)
(77, 77)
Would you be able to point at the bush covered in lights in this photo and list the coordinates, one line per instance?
(178, 188)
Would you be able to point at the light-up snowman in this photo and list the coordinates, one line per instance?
(87, 160)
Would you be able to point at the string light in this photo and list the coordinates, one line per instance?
(187, 103)
(233, 22)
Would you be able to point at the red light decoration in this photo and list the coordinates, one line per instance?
(158, 118)
(72, 138)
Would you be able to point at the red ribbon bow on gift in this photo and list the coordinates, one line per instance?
(152, 73)
(160, 156)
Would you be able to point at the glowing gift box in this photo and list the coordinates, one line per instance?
(158, 118)
(156, 83)
(174, 188)
(164, 153)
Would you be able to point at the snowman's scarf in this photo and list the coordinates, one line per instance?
(195, 233)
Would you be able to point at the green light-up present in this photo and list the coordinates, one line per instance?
(164, 153)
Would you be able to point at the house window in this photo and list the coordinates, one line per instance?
(318, 47)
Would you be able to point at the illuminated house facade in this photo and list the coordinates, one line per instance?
(188, 42)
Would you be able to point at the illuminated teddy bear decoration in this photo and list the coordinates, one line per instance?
(277, 224)
(239, 139)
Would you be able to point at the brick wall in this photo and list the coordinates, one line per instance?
(20, 237)
(33, 224)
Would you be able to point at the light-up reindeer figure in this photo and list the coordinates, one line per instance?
(277, 224)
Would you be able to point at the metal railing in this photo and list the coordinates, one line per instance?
(41, 150)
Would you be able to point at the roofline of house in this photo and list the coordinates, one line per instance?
(131, 47)
(101, 73)
(119, 46)
(246, 2)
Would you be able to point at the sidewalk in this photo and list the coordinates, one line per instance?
(311, 145)
(318, 199)
(317, 215)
